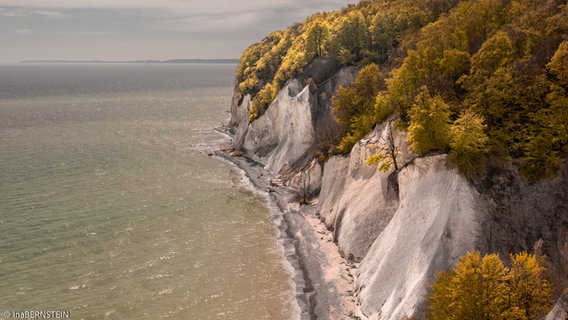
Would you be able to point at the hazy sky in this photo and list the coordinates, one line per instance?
(143, 29)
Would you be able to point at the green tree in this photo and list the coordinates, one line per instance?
(468, 142)
(497, 52)
(403, 84)
(255, 63)
(557, 116)
(354, 106)
(540, 159)
(317, 38)
(455, 63)
(350, 37)
(492, 99)
(429, 128)
(384, 30)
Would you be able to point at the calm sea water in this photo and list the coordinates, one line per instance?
(110, 207)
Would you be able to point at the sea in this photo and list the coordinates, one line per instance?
(111, 206)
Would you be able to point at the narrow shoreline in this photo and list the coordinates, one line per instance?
(324, 281)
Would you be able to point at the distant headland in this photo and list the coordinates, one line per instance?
(204, 61)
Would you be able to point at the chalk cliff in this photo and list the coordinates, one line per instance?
(434, 224)
(400, 226)
(403, 226)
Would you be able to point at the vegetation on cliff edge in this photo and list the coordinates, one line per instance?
(481, 79)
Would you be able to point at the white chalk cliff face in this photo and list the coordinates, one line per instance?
(357, 201)
(403, 226)
(283, 134)
(434, 224)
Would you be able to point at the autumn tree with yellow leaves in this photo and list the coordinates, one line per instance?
(483, 288)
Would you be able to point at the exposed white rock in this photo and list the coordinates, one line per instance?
(239, 117)
(357, 200)
(333, 181)
(364, 209)
(285, 132)
(434, 225)
(307, 181)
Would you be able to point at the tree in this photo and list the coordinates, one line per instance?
(530, 290)
(255, 61)
(429, 123)
(455, 63)
(559, 64)
(494, 288)
(478, 290)
(441, 299)
(402, 86)
(384, 31)
(558, 113)
(497, 52)
(468, 142)
(350, 37)
(483, 288)
(354, 106)
(557, 98)
(261, 102)
(317, 38)
(387, 153)
(541, 160)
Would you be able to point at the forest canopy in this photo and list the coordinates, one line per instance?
(480, 79)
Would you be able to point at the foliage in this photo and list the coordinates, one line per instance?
(530, 290)
(354, 106)
(558, 65)
(363, 33)
(350, 37)
(382, 157)
(501, 61)
(317, 38)
(468, 142)
(505, 61)
(255, 63)
(385, 156)
(429, 128)
(390, 23)
(261, 101)
(441, 304)
(484, 288)
(382, 107)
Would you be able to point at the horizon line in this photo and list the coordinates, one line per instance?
(148, 61)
